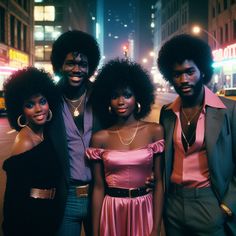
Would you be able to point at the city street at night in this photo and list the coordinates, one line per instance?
(69, 68)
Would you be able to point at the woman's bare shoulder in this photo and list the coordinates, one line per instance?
(100, 138)
(155, 130)
(22, 143)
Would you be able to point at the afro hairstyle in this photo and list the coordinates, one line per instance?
(185, 47)
(118, 74)
(72, 41)
(22, 85)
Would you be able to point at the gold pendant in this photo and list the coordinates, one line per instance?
(76, 112)
(189, 122)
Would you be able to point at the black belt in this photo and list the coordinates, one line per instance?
(122, 192)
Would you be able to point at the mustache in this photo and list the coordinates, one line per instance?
(78, 74)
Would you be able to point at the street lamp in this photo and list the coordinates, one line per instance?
(197, 29)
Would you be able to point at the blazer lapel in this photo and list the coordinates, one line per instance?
(169, 125)
(214, 122)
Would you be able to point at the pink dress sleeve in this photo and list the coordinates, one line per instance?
(158, 146)
(94, 153)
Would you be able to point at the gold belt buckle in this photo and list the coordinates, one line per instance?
(130, 192)
(42, 193)
(82, 191)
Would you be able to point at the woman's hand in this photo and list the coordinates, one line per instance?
(150, 183)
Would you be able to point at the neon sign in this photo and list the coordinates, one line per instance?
(226, 53)
(17, 58)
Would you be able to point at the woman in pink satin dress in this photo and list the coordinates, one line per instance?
(125, 153)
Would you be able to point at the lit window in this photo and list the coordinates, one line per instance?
(49, 13)
(38, 13)
(38, 33)
(39, 54)
(44, 13)
(57, 32)
(49, 33)
(47, 52)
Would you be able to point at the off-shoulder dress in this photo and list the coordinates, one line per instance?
(127, 169)
(23, 214)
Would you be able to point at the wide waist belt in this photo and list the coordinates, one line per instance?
(82, 191)
(122, 192)
(42, 193)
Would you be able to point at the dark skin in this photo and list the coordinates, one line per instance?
(73, 64)
(75, 74)
(35, 110)
(188, 84)
(123, 104)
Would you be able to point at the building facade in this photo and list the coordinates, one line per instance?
(175, 17)
(222, 25)
(52, 18)
(16, 37)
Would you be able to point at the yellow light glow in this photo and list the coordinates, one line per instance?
(196, 29)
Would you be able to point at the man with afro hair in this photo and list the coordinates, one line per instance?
(200, 136)
(75, 57)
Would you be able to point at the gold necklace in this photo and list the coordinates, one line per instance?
(76, 111)
(129, 140)
(39, 137)
(194, 115)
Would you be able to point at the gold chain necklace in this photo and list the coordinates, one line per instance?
(76, 111)
(39, 137)
(194, 115)
(131, 139)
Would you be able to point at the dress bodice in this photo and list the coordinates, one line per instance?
(127, 169)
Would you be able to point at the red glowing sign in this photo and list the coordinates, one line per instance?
(226, 53)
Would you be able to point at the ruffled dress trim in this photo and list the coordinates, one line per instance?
(96, 153)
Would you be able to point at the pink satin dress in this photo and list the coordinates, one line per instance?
(127, 169)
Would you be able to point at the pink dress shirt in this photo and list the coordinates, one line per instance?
(191, 168)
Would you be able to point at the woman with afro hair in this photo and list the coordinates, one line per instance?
(125, 153)
(32, 197)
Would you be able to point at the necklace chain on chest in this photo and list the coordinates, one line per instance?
(76, 108)
(130, 139)
(190, 119)
(188, 142)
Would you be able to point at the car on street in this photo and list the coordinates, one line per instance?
(228, 93)
(2, 103)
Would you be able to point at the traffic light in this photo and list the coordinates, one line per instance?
(125, 50)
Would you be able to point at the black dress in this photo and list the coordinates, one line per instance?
(24, 215)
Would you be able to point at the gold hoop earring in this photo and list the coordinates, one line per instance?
(110, 110)
(49, 115)
(18, 122)
(139, 107)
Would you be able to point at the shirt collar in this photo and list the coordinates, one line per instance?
(210, 99)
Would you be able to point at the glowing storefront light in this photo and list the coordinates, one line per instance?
(225, 56)
(228, 52)
(223, 63)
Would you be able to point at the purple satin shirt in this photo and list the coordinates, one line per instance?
(77, 143)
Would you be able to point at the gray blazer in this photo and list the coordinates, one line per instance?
(220, 139)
